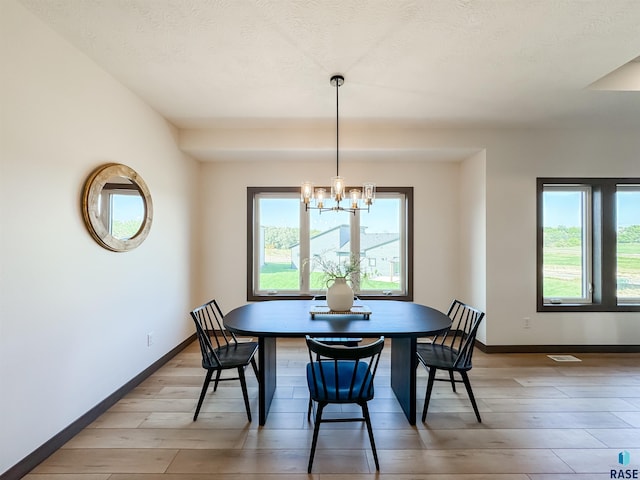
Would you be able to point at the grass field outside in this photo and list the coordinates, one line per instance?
(277, 273)
(561, 266)
(563, 271)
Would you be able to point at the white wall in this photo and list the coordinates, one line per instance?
(475, 224)
(74, 316)
(472, 285)
(514, 160)
(436, 219)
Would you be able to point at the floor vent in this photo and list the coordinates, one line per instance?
(564, 358)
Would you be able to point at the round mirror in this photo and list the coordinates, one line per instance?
(117, 208)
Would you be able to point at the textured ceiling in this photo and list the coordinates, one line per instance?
(206, 63)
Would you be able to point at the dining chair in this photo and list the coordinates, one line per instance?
(340, 375)
(344, 341)
(451, 351)
(221, 351)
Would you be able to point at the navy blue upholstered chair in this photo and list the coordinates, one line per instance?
(338, 375)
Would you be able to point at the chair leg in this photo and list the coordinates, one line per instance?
(205, 386)
(316, 430)
(215, 385)
(254, 365)
(367, 419)
(245, 393)
(453, 382)
(309, 409)
(467, 384)
(432, 376)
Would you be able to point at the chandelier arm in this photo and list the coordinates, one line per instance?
(338, 208)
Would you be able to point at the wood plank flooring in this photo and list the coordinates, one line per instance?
(541, 420)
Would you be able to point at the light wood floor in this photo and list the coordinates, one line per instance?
(542, 420)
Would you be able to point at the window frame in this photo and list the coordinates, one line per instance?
(254, 295)
(603, 256)
(629, 187)
(586, 219)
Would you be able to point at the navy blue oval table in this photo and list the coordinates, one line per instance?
(402, 322)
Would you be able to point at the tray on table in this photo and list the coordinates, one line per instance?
(355, 310)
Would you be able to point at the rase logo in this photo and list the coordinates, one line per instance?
(624, 458)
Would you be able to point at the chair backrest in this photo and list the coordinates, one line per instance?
(461, 337)
(211, 333)
(343, 374)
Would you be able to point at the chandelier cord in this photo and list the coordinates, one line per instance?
(337, 130)
(358, 199)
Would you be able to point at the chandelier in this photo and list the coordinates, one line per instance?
(358, 199)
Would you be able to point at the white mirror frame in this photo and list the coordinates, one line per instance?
(91, 201)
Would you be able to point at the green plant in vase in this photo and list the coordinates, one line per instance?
(336, 274)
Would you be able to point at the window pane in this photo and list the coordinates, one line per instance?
(127, 215)
(564, 246)
(330, 242)
(380, 247)
(278, 238)
(628, 242)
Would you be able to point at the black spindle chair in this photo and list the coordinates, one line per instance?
(339, 374)
(452, 351)
(221, 350)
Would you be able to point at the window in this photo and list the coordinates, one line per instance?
(566, 253)
(121, 209)
(283, 239)
(588, 244)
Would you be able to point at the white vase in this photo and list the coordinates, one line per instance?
(340, 295)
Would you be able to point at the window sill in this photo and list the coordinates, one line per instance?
(574, 307)
(263, 298)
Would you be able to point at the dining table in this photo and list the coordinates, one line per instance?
(400, 321)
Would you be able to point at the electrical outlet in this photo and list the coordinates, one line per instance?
(526, 322)
(149, 339)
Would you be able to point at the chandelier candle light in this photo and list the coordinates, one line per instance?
(359, 200)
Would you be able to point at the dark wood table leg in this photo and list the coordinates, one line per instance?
(267, 387)
(403, 375)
